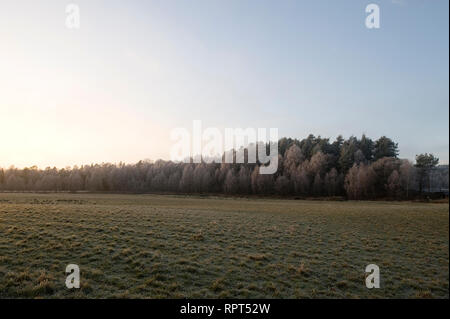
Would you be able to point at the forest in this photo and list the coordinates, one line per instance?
(354, 168)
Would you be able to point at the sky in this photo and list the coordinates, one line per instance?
(114, 89)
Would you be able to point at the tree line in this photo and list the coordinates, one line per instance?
(357, 168)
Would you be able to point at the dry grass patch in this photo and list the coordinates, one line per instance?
(148, 246)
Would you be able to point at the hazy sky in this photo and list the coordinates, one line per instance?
(113, 90)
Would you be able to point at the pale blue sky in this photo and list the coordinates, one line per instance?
(114, 89)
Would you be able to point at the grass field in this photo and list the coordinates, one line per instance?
(150, 246)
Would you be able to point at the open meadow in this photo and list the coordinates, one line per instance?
(167, 246)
